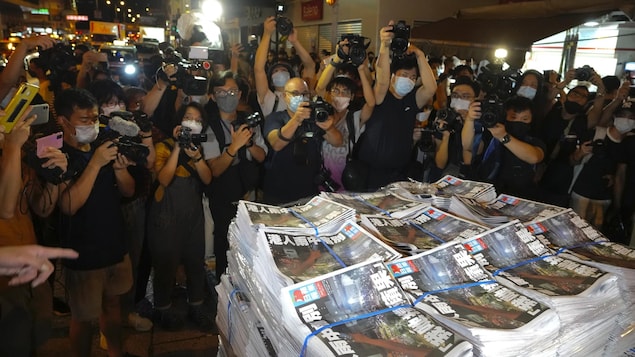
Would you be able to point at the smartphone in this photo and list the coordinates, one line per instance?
(18, 105)
(42, 112)
(55, 140)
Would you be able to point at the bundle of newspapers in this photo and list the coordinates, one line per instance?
(586, 299)
(448, 186)
(310, 280)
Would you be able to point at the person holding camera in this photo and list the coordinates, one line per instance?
(386, 144)
(511, 155)
(270, 82)
(92, 224)
(448, 124)
(234, 152)
(176, 233)
(15, 67)
(26, 316)
(296, 135)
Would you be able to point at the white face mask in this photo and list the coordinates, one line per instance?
(341, 103)
(403, 85)
(108, 110)
(527, 92)
(624, 125)
(195, 126)
(281, 78)
(86, 134)
(459, 104)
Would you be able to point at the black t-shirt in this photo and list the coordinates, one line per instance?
(626, 155)
(291, 172)
(592, 182)
(516, 177)
(387, 139)
(96, 230)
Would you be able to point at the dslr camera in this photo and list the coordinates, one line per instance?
(134, 151)
(451, 118)
(251, 121)
(357, 49)
(320, 110)
(284, 25)
(584, 73)
(400, 42)
(188, 140)
(492, 112)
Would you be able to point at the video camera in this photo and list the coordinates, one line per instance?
(570, 142)
(186, 139)
(492, 112)
(401, 40)
(138, 117)
(357, 49)
(498, 83)
(320, 110)
(123, 131)
(284, 25)
(189, 83)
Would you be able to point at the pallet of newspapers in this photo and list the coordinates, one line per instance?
(449, 284)
(566, 232)
(362, 311)
(381, 202)
(586, 299)
(449, 186)
(429, 228)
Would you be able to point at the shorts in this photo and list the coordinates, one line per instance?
(86, 288)
(25, 320)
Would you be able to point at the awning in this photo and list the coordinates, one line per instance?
(476, 32)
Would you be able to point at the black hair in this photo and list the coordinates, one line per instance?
(342, 81)
(436, 60)
(539, 76)
(106, 89)
(196, 105)
(40, 63)
(73, 98)
(463, 67)
(611, 83)
(519, 104)
(464, 80)
(219, 79)
(405, 62)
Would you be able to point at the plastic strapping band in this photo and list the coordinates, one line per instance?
(317, 235)
(229, 315)
(426, 231)
(561, 250)
(372, 206)
(305, 344)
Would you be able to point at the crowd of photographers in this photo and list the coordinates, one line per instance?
(125, 190)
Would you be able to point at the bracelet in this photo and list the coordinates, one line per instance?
(198, 159)
(230, 155)
(281, 137)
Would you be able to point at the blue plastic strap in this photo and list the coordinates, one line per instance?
(317, 235)
(451, 288)
(419, 227)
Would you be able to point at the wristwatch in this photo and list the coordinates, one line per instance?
(505, 139)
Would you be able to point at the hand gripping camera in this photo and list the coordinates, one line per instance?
(492, 112)
(186, 139)
(401, 41)
(320, 110)
(357, 49)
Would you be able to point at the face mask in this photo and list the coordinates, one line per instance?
(517, 129)
(195, 126)
(108, 110)
(403, 86)
(86, 134)
(527, 92)
(624, 125)
(459, 104)
(279, 79)
(200, 99)
(572, 107)
(294, 102)
(227, 104)
(341, 103)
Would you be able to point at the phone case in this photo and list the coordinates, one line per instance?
(18, 105)
(42, 112)
(55, 140)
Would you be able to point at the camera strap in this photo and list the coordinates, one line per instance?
(183, 159)
(350, 125)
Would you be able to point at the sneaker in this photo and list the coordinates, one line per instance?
(202, 318)
(168, 319)
(139, 323)
(60, 308)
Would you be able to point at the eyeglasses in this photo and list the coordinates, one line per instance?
(225, 93)
(462, 96)
(295, 93)
(344, 92)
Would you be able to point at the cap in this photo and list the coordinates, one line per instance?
(280, 64)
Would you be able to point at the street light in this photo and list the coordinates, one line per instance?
(212, 9)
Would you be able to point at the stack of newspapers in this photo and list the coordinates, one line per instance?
(429, 228)
(449, 284)
(577, 240)
(586, 299)
(401, 278)
(449, 186)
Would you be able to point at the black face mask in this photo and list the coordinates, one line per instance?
(517, 129)
(573, 107)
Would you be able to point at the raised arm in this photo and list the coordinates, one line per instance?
(369, 95)
(428, 82)
(260, 74)
(382, 74)
(308, 70)
(15, 67)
